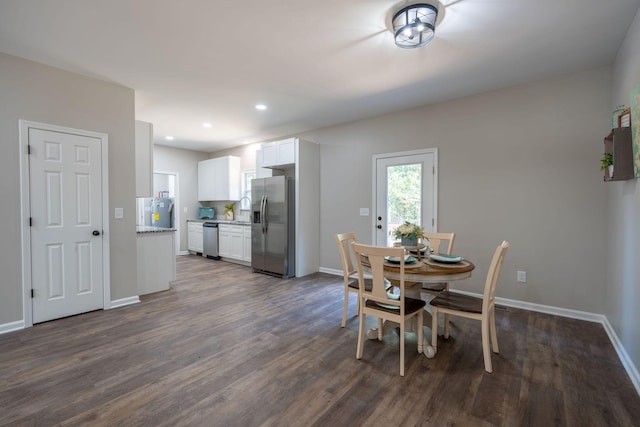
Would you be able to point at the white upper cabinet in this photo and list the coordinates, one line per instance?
(144, 159)
(219, 179)
(279, 153)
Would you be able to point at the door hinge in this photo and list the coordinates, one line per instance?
(31, 293)
(28, 149)
(433, 222)
(433, 170)
(30, 222)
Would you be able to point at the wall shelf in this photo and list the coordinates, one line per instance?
(618, 142)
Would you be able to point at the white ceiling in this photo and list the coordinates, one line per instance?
(313, 63)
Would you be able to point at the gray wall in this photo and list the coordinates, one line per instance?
(623, 228)
(520, 164)
(185, 163)
(32, 91)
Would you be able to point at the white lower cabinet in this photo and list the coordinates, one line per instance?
(232, 241)
(195, 242)
(247, 244)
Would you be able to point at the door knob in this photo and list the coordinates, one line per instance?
(379, 218)
(96, 233)
(379, 227)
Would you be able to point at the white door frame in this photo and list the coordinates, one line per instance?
(374, 197)
(25, 210)
(176, 207)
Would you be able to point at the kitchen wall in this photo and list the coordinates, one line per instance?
(36, 92)
(185, 164)
(622, 281)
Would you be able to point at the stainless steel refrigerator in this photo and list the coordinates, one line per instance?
(273, 226)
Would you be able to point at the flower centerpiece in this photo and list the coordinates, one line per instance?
(228, 211)
(409, 233)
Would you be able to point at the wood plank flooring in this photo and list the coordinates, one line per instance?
(228, 347)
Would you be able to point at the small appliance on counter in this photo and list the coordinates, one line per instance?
(206, 213)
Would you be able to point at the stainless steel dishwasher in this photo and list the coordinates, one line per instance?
(210, 240)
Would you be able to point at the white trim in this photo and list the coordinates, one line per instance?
(330, 271)
(25, 209)
(374, 196)
(11, 326)
(631, 369)
(122, 302)
(626, 361)
(184, 253)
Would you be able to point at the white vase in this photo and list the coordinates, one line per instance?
(610, 171)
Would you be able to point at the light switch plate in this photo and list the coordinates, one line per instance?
(186, 209)
(118, 213)
(364, 211)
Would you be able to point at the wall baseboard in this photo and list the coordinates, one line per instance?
(626, 361)
(11, 326)
(125, 301)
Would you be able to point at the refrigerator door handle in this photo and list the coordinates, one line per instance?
(266, 208)
(262, 214)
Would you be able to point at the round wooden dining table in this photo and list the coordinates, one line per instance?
(424, 270)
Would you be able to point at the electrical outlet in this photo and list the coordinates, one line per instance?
(522, 276)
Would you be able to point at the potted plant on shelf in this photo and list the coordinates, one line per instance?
(228, 211)
(409, 233)
(606, 162)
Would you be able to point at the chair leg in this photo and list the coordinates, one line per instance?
(402, 330)
(446, 325)
(380, 327)
(434, 327)
(485, 344)
(494, 336)
(420, 332)
(360, 336)
(346, 306)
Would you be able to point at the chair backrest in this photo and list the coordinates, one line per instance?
(375, 260)
(437, 239)
(344, 240)
(492, 276)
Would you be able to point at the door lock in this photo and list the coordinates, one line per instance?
(96, 233)
(379, 227)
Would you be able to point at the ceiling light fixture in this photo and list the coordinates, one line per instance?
(414, 25)
(170, 138)
(261, 107)
(206, 125)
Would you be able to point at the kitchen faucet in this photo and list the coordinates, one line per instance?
(240, 202)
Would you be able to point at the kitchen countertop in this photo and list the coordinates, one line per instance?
(221, 221)
(150, 229)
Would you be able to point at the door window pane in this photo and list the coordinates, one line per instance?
(404, 197)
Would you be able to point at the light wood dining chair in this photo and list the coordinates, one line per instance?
(437, 242)
(482, 309)
(377, 302)
(349, 272)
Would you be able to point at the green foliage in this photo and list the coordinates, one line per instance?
(229, 207)
(606, 160)
(405, 188)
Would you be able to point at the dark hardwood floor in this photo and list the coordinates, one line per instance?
(228, 347)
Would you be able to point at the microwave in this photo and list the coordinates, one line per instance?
(206, 213)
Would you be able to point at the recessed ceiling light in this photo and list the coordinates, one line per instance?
(206, 124)
(261, 107)
(170, 138)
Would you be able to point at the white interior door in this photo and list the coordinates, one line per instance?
(405, 189)
(65, 191)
